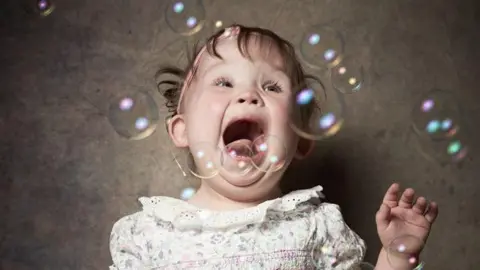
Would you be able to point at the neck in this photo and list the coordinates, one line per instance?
(207, 198)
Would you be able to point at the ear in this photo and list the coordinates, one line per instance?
(177, 130)
(304, 148)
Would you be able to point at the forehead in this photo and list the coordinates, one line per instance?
(255, 49)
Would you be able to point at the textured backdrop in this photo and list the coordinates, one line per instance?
(66, 176)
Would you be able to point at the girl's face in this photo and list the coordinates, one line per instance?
(239, 107)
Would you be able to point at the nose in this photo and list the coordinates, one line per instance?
(250, 98)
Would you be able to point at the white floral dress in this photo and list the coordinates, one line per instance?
(296, 231)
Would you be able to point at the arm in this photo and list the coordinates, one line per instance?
(402, 218)
(399, 263)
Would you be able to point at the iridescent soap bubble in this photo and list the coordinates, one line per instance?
(347, 77)
(134, 116)
(185, 17)
(322, 46)
(437, 115)
(363, 266)
(269, 153)
(402, 250)
(452, 150)
(236, 158)
(187, 193)
(324, 256)
(45, 7)
(203, 160)
(318, 114)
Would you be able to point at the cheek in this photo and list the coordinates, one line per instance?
(280, 112)
(201, 111)
(217, 108)
(280, 115)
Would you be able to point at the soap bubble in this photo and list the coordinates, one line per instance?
(135, 116)
(322, 46)
(210, 27)
(185, 17)
(401, 251)
(452, 150)
(324, 256)
(45, 7)
(437, 115)
(219, 23)
(269, 153)
(321, 113)
(236, 158)
(348, 76)
(363, 266)
(187, 193)
(203, 160)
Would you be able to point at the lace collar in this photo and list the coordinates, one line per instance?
(185, 216)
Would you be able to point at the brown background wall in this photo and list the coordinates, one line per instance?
(66, 177)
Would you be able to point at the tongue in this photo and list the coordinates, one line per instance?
(240, 148)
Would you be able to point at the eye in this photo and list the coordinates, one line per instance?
(223, 82)
(272, 86)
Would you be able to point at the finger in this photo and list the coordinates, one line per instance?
(420, 206)
(383, 217)
(432, 212)
(407, 198)
(391, 196)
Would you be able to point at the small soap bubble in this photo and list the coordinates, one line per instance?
(135, 116)
(218, 23)
(348, 76)
(187, 193)
(363, 266)
(318, 114)
(45, 7)
(185, 17)
(324, 257)
(203, 160)
(437, 115)
(401, 251)
(236, 158)
(322, 46)
(269, 153)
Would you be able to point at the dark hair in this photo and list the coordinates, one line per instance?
(170, 88)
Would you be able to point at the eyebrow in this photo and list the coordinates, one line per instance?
(275, 68)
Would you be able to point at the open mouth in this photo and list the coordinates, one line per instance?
(239, 136)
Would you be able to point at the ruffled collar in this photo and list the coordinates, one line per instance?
(185, 216)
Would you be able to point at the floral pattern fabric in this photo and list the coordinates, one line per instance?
(296, 231)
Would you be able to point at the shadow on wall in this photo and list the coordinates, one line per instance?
(333, 166)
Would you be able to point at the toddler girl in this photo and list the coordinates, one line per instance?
(237, 89)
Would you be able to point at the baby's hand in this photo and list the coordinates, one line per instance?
(397, 218)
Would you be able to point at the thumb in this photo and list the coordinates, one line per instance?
(383, 217)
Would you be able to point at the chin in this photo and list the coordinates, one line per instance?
(252, 187)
